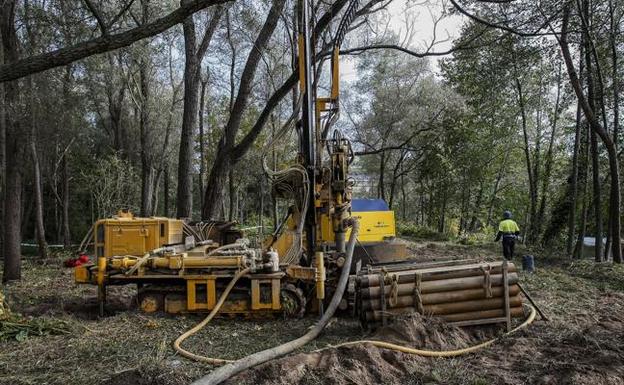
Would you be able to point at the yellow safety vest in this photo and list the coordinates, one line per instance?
(508, 226)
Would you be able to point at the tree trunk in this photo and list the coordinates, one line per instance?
(37, 183)
(596, 191)
(184, 201)
(381, 188)
(549, 159)
(202, 151)
(615, 215)
(574, 183)
(228, 153)
(527, 155)
(14, 153)
(147, 168)
(65, 177)
(166, 191)
(442, 219)
(403, 196)
(614, 203)
(194, 54)
(232, 191)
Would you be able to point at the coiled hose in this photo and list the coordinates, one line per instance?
(223, 373)
(199, 326)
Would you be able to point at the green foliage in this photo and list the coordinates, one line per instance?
(16, 327)
(412, 230)
(484, 236)
(607, 276)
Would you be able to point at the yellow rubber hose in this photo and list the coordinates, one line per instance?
(202, 324)
(437, 353)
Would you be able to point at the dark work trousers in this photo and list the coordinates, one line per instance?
(508, 246)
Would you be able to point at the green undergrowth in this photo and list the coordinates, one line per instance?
(417, 232)
(16, 327)
(604, 275)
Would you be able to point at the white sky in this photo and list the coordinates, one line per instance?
(423, 16)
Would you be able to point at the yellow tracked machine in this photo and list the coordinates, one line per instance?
(182, 267)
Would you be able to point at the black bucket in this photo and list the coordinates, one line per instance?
(528, 263)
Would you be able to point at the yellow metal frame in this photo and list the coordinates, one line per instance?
(191, 294)
(256, 303)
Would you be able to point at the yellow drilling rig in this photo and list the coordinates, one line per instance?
(328, 245)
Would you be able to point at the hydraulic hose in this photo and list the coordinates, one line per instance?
(437, 353)
(225, 372)
(199, 326)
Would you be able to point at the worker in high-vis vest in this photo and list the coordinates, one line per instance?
(508, 230)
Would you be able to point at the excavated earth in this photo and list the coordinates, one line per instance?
(582, 343)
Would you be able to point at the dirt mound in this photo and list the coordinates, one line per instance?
(366, 364)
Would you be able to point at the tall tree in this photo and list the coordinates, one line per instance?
(194, 54)
(15, 150)
(228, 152)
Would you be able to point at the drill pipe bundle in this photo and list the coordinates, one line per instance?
(457, 293)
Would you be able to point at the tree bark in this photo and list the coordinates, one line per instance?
(591, 97)
(614, 203)
(574, 183)
(106, 43)
(14, 153)
(527, 154)
(37, 183)
(227, 156)
(65, 177)
(147, 167)
(194, 54)
(202, 151)
(549, 159)
(166, 191)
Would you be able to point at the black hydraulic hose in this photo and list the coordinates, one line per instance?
(227, 371)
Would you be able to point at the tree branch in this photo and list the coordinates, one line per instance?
(64, 56)
(514, 31)
(98, 16)
(210, 30)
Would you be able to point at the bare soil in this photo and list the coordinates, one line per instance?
(583, 343)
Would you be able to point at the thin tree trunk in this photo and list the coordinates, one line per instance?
(37, 183)
(202, 151)
(228, 152)
(147, 168)
(232, 193)
(184, 203)
(613, 214)
(442, 213)
(403, 196)
(549, 159)
(381, 188)
(166, 191)
(194, 54)
(65, 180)
(15, 150)
(596, 191)
(574, 183)
(614, 203)
(527, 155)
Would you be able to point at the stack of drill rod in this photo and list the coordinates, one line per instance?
(457, 292)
